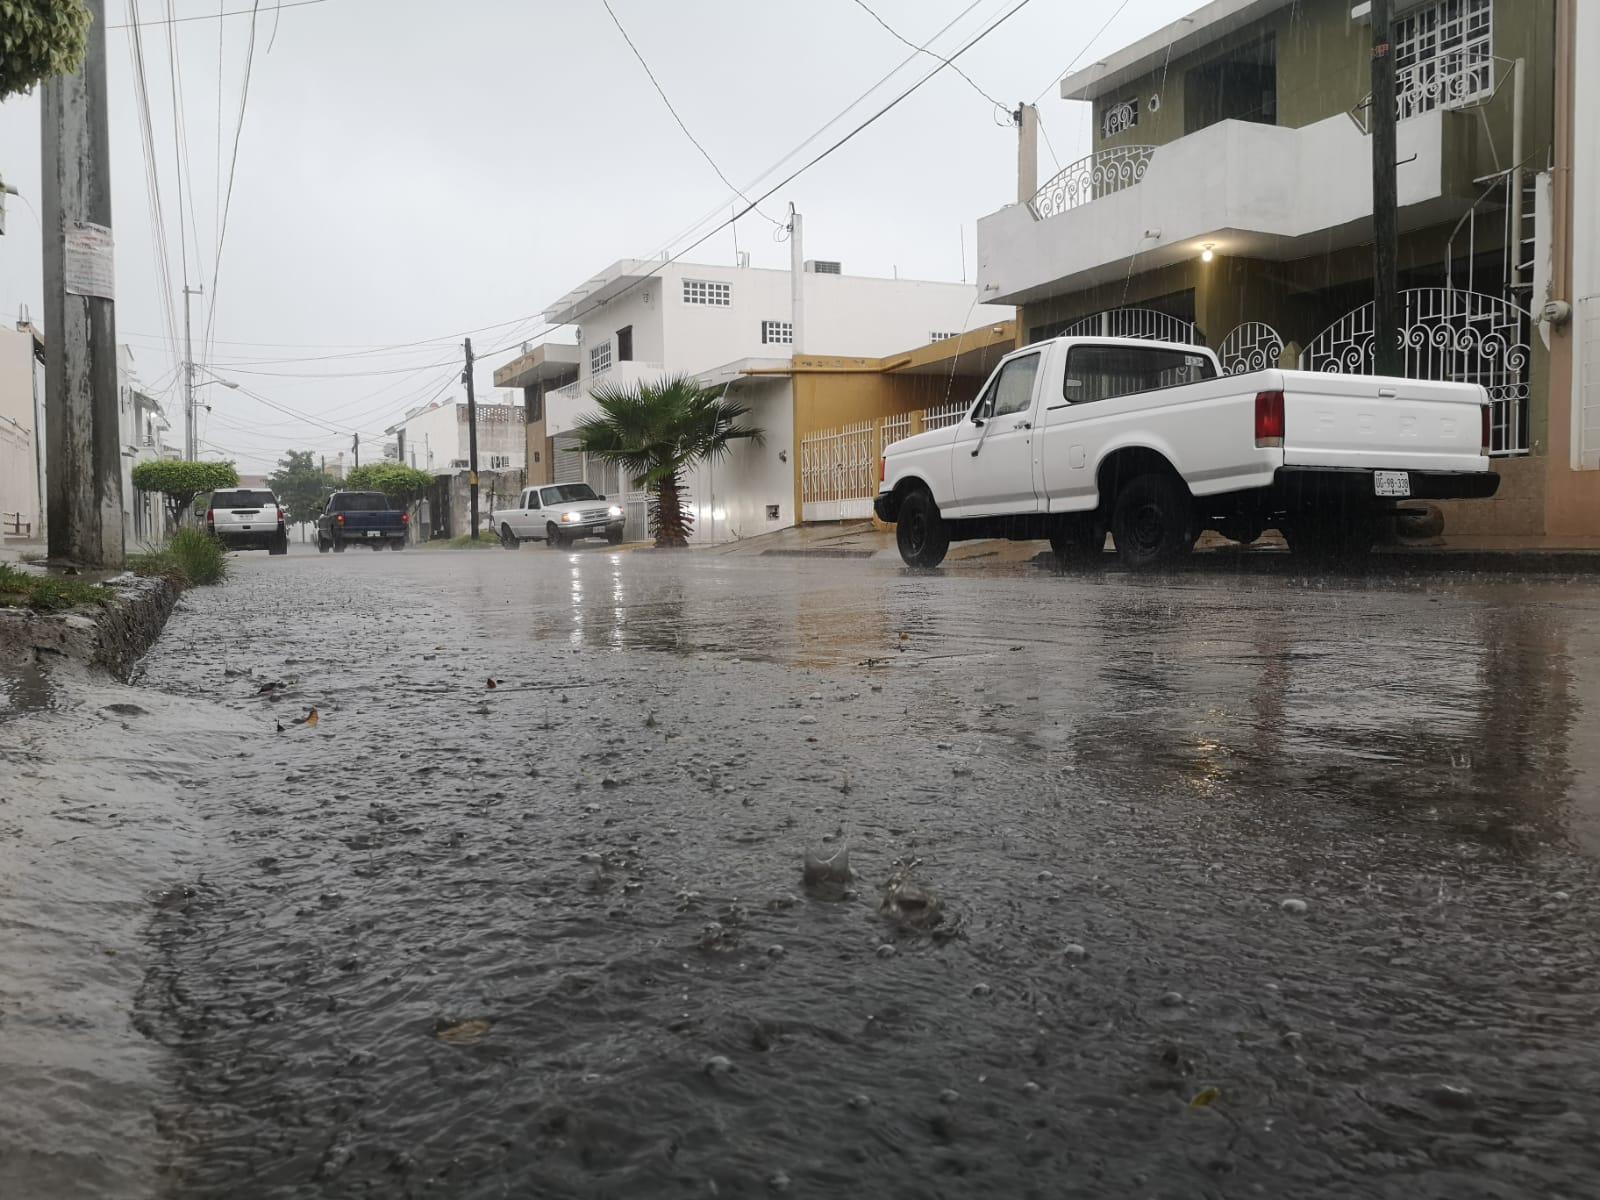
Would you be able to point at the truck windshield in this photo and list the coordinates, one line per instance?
(359, 502)
(566, 493)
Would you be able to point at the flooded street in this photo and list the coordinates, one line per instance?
(1214, 884)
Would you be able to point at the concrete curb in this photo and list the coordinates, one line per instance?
(114, 637)
(1509, 563)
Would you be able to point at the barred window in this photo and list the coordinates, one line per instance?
(705, 291)
(1443, 55)
(600, 358)
(938, 336)
(777, 333)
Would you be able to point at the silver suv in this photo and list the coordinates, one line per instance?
(247, 519)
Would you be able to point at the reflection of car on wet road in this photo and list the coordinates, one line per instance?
(361, 518)
(247, 519)
(559, 513)
(1073, 436)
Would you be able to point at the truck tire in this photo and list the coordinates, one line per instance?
(1079, 539)
(278, 545)
(553, 538)
(338, 545)
(614, 538)
(508, 539)
(1153, 521)
(322, 546)
(397, 544)
(920, 532)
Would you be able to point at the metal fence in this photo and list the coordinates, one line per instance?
(839, 467)
(1449, 335)
(1088, 179)
(1252, 346)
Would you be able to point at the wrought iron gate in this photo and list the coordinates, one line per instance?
(1449, 335)
(1252, 346)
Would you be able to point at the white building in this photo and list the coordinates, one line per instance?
(726, 325)
(437, 437)
(21, 433)
(142, 430)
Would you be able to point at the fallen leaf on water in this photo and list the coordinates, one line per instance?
(493, 682)
(280, 726)
(904, 636)
(1206, 1098)
(466, 1031)
(310, 719)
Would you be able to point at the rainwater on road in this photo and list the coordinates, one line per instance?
(1225, 883)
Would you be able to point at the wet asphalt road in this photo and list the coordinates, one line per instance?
(552, 938)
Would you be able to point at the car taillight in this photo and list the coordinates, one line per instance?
(211, 518)
(280, 516)
(1488, 429)
(340, 518)
(1269, 418)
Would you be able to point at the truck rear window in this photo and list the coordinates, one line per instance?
(1101, 372)
(359, 502)
(241, 498)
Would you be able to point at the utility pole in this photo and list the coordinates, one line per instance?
(190, 447)
(472, 440)
(1386, 357)
(797, 281)
(355, 448)
(84, 452)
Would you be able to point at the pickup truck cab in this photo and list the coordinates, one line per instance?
(559, 513)
(247, 519)
(361, 519)
(1073, 437)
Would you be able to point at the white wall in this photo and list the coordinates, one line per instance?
(19, 450)
(640, 308)
(730, 498)
(1585, 281)
(442, 431)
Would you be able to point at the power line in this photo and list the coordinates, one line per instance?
(1068, 69)
(862, 4)
(216, 16)
(233, 163)
(654, 82)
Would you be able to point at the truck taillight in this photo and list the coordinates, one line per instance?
(339, 518)
(883, 468)
(1269, 418)
(1488, 429)
(280, 517)
(405, 518)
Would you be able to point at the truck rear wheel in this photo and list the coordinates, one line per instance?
(1153, 521)
(338, 545)
(278, 545)
(920, 532)
(323, 546)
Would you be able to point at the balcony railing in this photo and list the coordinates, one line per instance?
(1088, 179)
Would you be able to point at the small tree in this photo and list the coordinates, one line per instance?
(179, 482)
(656, 431)
(299, 485)
(39, 39)
(403, 485)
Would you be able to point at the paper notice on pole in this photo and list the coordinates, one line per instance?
(88, 260)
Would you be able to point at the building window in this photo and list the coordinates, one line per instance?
(1443, 55)
(1241, 85)
(1119, 117)
(600, 358)
(777, 333)
(625, 344)
(703, 291)
(938, 336)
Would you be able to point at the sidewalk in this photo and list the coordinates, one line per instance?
(861, 540)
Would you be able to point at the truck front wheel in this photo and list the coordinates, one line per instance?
(920, 531)
(1153, 521)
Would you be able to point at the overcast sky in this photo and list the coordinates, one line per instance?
(409, 171)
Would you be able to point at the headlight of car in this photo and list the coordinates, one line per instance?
(567, 518)
(614, 511)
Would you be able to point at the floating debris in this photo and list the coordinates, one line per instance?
(462, 1032)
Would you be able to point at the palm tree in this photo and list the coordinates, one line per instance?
(656, 431)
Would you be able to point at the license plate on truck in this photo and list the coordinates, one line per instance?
(379, 532)
(1391, 483)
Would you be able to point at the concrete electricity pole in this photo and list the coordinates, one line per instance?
(472, 440)
(1387, 359)
(84, 453)
(190, 446)
(797, 281)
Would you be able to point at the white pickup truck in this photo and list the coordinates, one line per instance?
(1073, 437)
